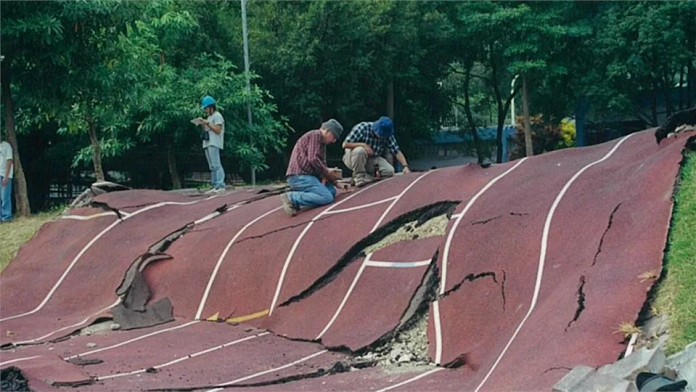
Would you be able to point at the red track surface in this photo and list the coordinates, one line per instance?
(535, 275)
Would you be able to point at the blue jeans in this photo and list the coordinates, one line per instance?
(217, 173)
(308, 191)
(5, 200)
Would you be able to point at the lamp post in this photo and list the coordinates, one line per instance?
(245, 37)
(512, 103)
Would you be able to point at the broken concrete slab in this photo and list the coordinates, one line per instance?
(606, 383)
(574, 378)
(138, 293)
(643, 360)
(684, 365)
(97, 328)
(154, 314)
(656, 326)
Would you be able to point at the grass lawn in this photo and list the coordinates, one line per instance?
(676, 296)
(19, 231)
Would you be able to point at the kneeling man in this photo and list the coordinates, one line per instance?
(365, 147)
(311, 182)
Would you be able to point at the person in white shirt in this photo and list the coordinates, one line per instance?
(213, 136)
(6, 175)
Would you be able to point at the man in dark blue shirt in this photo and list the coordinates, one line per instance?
(365, 147)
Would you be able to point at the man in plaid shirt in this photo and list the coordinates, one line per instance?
(366, 145)
(311, 182)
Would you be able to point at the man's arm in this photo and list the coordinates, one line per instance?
(396, 151)
(316, 157)
(6, 175)
(353, 139)
(402, 160)
(217, 128)
(356, 145)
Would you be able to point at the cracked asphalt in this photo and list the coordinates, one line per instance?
(536, 267)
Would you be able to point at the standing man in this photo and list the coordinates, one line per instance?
(6, 175)
(213, 136)
(366, 145)
(311, 182)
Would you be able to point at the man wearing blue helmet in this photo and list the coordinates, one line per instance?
(365, 147)
(213, 136)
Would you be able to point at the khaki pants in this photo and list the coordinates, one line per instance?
(363, 165)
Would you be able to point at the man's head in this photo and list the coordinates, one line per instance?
(384, 127)
(331, 131)
(208, 105)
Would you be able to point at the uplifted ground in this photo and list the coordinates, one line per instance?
(536, 267)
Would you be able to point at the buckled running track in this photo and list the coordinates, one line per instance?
(540, 258)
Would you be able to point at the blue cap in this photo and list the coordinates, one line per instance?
(384, 127)
(207, 101)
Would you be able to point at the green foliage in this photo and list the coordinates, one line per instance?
(136, 70)
(547, 135)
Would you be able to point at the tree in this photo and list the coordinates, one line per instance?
(509, 39)
(26, 28)
(354, 61)
(641, 51)
(186, 73)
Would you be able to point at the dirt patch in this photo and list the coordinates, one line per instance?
(405, 352)
(413, 230)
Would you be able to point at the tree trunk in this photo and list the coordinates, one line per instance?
(654, 107)
(681, 88)
(171, 162)
(501, 112)
(390, 99)
(668, 99)
(529, 148)
(690, 79)
(21, 194)
(96, 147)
(470, 117)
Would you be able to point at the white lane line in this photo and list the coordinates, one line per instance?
(269, 371)
(184, 358)
(456, 216)
(362, 206)
(386, 212)
(215, 214)
(460, 216)
(89, 245)
(438, 331)
(118, 301)
(131, 340)
(542, 254)
(237, 381)
(88, 217)
(445, 257)
(367, 258)
(345, 297)
(19, 360)
(410, 380)
(222, 257)
(390, 264)
(302, 234)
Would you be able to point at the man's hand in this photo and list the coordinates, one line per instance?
(5, 181)
(335, 175)
(406, 170)
(370, 151)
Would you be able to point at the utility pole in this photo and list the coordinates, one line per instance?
(245, 35)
